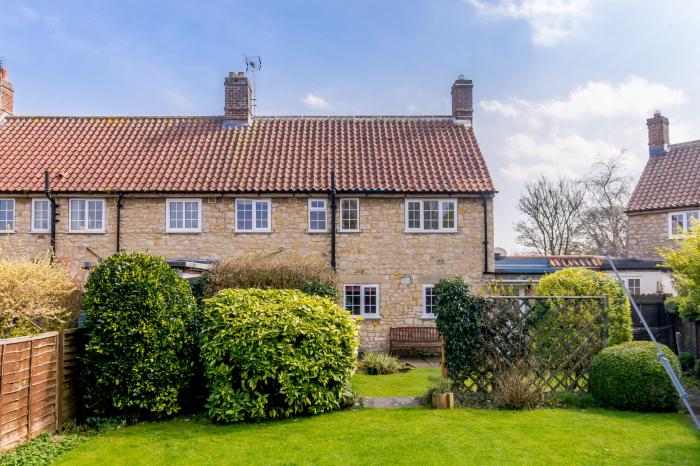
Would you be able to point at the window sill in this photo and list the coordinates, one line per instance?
(252, 232)
(366, 317)
(8, 232)
(40, 232)
(90, 232)
(183, 232)
(429, 232)
(317, 232)
(349, 231)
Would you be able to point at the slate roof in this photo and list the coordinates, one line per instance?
(273, 154)
(669, 181)
(533, 265)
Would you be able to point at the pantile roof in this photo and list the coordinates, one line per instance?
(669, 181)
(202, 154)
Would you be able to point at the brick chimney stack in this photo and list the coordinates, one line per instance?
(462, 100)
(238, 98)
(658, 134)
(7, 93)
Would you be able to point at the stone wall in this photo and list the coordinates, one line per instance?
(381, 253)
(646, 232)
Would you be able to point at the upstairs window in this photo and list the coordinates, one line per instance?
(253, 215)
(349, 215)
(318, 216)
(679, 222)
(429, 302)
(86, 216)
(430, 215)
(40, 215)
(362, 300)
(7, 215)
(183, 215)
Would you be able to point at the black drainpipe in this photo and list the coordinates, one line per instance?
(486, 233)
(333, 209)
(52, 212)
(119, 220)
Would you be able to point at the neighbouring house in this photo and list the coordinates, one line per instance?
(519, 275)
(395, 203)
(666, 199)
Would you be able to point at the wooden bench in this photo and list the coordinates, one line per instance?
(414, 338)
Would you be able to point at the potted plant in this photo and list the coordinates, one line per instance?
(441, 393)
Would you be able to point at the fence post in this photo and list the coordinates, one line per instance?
(29, 395)
(60, 344)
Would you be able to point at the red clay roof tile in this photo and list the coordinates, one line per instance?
(199, 154)
(669, 181)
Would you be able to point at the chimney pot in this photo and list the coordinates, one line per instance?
(7, 94)
(659, 141)
(238, 98)
(462, 100)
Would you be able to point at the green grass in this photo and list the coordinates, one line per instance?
(411, 383)
(406, 436)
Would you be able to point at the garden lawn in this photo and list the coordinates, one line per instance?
(406, 436)
(411, 383)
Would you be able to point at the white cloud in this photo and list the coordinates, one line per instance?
(314, 101)
(635, 98)
(495, 106)
(566, 153)
(551, 21)
(412, 108)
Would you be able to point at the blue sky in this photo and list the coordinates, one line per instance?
(558, 83)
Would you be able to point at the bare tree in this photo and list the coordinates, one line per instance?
(604, 223)
(553, 210)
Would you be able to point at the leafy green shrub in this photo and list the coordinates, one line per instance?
(630, 376)
(684, 261)
(139, 359)
(585, 282)
(380, 364)
(36, 296)
(687, 361)
(275, 271)
(275, 354)
(459, 320)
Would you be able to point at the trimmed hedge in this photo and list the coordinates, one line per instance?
(276, 354)
(140, 356)
(585, 282)
(630, 376)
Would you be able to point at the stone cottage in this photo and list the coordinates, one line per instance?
(393, 202)
(666, 200)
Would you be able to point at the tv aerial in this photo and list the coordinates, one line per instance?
(252, 65)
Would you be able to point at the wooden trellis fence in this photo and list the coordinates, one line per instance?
(37, 384)
(550, 339)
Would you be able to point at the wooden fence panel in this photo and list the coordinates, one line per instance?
(36, 386)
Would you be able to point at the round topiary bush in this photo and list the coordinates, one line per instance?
(586, 282)
(275, 354)
(630, 376)
(139, 357)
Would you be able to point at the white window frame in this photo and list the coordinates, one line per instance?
(169, 229)
(441, 203)
(349, 230)
(48, 220)
(14, 216)
(363, 287)
(424, 308)
(255, 202)
(627, 284)
(317, 209)
(86, 230)
(686, 222)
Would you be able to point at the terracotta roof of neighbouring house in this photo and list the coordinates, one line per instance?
(575, 261)
(669, 181)
(200, 154)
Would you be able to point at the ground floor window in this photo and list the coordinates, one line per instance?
(429, 302)
(7, 215)
(362, 300)
(634, 285)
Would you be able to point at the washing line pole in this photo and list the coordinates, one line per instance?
(662, 356)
